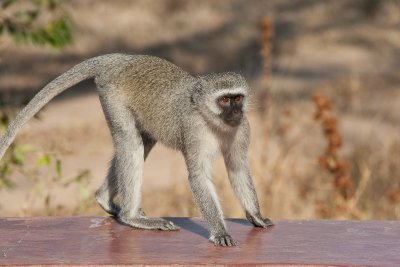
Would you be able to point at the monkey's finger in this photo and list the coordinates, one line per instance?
(171, 226)
(168, 226)
(230, 242)
(165, 227)
(260, 222)
(264, 223)
(216, 240)
(268, 222)
(225, 241)
(257, 222)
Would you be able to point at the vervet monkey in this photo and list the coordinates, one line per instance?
(146, 99)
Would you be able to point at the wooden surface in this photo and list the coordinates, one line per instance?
(101, 240)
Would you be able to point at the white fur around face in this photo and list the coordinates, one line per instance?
(232, 91)
(212, 102)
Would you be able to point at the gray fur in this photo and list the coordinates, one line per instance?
(147, 100)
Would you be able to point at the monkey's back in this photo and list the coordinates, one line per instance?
(157, 92)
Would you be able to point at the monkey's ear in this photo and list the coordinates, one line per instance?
(198, 90)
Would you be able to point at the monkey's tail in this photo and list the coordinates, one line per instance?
(76, 74)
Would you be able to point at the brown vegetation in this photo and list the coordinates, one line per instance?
(316, 71)
(330, 159)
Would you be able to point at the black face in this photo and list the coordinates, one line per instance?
(232, 109)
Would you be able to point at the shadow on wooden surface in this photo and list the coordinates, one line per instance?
(102, 241)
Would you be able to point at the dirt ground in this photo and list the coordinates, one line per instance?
(337, 47)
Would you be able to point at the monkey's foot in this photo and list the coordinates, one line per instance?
(224, 240)
(258, 221)
(142, 213)
(106, 205)
(149, 223)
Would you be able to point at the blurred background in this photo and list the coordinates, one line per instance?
(325, 111)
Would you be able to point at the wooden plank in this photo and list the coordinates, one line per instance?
(102, 241)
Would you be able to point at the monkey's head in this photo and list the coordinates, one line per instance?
(222, 99)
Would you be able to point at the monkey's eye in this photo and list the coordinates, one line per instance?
(224, 101)
(238, 98)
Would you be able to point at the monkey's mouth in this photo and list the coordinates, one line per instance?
(232, 117)
(233, 122)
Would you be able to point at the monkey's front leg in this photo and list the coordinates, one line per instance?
(200, 173)
(237, 165)
(244, 189)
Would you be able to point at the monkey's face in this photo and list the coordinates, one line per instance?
(231, 106)
(222, 99)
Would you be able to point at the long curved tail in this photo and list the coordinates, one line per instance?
(76, 74)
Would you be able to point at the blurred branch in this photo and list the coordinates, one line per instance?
(39, 22)
(330, 160)
(267, 35)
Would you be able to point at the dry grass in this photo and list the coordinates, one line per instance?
(296, 176)
(343, 165)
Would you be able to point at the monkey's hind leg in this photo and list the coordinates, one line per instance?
(126, 172)
(106, 193)
(108, 190)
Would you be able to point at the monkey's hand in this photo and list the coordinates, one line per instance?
(224, 240)
(258, 221)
